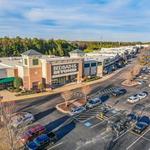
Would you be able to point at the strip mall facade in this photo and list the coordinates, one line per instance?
(53, 71)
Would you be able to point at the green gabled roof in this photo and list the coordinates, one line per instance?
(6, 80)
(31, 52)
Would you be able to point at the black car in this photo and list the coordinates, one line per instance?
(52, 136)
(119, 92)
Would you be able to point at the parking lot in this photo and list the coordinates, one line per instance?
(89, 130)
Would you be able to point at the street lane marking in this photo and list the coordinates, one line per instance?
(55, 145)
(137, 140)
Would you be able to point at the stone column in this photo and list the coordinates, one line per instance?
(80, 71)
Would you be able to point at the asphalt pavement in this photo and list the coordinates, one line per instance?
(88, 132)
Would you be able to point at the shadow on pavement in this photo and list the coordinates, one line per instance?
(36, 101)
(65, 130)
(52, 125)
(44, 113)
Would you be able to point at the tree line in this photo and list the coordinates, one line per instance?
(16, 46)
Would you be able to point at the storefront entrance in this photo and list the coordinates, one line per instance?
(64, 80)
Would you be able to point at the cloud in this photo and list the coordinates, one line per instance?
(79, 19)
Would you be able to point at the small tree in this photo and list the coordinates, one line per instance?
(136, 70)
(41, 86)
(129, 76)
(86, 90)
(67, 95)
(9, 136)
(18, 82)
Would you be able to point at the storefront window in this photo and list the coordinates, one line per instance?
(86, 65)
(25, 62)
(93, 64)
(99, 63)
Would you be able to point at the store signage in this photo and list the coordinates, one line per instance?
(64, 69)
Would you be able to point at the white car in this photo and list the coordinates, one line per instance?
(142, 95)
(21, 119)
(93, 102)
(140, 82)
(77, 110)
(133, 99)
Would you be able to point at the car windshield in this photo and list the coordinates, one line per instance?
(77, 109)
(141, 94)
(32, 145)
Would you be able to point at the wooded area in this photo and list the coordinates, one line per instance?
(16, 46)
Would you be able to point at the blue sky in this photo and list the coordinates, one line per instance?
(115, 20)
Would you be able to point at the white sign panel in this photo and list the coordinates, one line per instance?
(63, 69)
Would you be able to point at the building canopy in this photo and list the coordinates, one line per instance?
(6, 80)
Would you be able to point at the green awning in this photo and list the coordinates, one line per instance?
(7, 80)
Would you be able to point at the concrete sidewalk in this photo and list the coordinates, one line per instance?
(8, 96)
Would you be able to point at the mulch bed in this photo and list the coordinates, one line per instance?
(70, 104)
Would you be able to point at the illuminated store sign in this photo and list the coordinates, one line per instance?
(63, 69)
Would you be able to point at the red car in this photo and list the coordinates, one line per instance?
(32, 133)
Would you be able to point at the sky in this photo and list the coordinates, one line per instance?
(107, 20)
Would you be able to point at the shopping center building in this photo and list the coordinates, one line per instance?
(35, 68)
(53, 71)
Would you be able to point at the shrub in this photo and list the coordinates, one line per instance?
(18, 82)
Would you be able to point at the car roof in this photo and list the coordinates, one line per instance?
(42, 137)
(144, 119)
(36, 127)
(95, 99)
(32, 145)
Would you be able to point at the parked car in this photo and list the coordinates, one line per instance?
(142, 95)
(39, 143)
(121, 126)
(77, 110)
(21, 119)
(142, 124)
(119, 92)
(93, 102)
(32, 133)
(53, 137)
(133, 99)
(104, 97)
(141, 82)
(132, 117)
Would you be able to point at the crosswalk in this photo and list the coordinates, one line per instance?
(104, 91)
(88, 114)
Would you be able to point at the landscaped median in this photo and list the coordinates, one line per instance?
(62, 107)
(129, 84)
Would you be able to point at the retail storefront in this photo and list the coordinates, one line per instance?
(63, 74)
(61, 71)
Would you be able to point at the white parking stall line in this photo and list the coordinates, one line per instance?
(88, 119)
(137, 140)
(122, 135)
(56, 145)
(146, 138)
